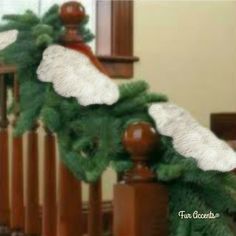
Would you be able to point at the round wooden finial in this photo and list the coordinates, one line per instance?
(140, 139)
(72, 14)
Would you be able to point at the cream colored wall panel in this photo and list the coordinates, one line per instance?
(188, 51)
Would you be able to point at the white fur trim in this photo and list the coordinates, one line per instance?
(74, 75)
(190, 139)
(7, 38)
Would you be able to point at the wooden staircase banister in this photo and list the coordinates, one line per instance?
(140, 201)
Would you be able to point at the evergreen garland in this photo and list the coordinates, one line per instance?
(90, 137)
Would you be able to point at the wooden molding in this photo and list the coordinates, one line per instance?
(224, 125)
(114, 37)
(124, 59)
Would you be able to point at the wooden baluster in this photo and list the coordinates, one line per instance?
(70, 200)
(70, 204)
(140, 203)
(49, 186)
(95, 209)
(17, 199)
(4, 178)
(32, 223)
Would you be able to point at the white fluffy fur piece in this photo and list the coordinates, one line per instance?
(7, 38)
(190, 139)
(74, 75)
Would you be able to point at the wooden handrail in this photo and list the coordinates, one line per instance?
(7, 69)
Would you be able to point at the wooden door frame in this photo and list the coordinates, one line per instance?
(114, 38)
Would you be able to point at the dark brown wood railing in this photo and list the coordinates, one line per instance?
(140, 203)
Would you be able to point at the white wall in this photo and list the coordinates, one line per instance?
(188, 51)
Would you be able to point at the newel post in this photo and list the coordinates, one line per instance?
(69, 222)
(140, 202)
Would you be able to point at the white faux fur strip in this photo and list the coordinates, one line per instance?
(7, 38)
(74, 75)
(190, 139)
